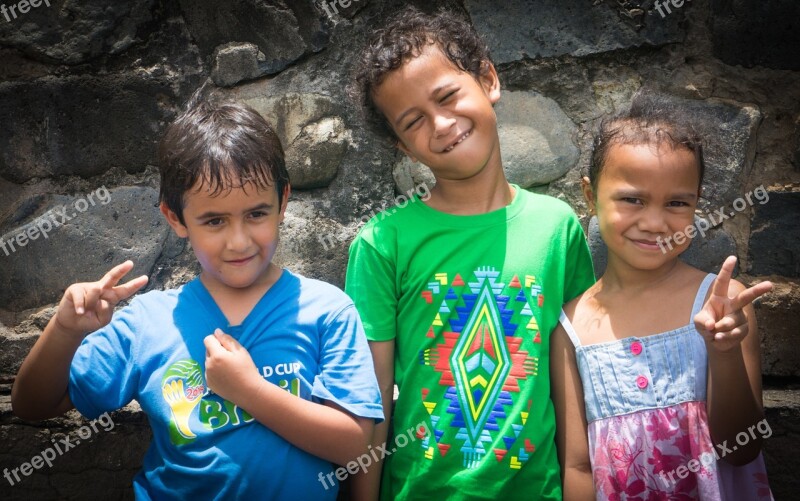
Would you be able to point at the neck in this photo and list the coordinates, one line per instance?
(621, 276)
(484, 192)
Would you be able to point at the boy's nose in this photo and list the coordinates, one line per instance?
(238, 238)
(442, 125)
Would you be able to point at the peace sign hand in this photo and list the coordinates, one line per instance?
(88, 306)
(722, 321)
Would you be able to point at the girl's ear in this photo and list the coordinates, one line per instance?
(174, 221)
(588, 194)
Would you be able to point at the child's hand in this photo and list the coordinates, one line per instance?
(230, 371)
(89, 306)
(722, 321)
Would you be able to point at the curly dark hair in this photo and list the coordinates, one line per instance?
(652, 119)
(224, 146)
(404, 37)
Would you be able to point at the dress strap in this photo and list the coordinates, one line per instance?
(700, 298)
(573, 336)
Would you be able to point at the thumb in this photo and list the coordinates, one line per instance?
(227, 342)
(704, 320)
(212, 344)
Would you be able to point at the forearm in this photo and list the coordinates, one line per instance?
(366, 486)
(321, 430)
(578, 483)
(40, 389)
(732, 406)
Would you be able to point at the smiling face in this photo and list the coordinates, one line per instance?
(644, 194)
(234, 234)
(442, 116)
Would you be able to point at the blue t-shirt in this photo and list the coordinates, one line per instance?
(303, 335)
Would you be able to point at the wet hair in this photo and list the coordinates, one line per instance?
(404, 37)
(220, 146)
(650, 120)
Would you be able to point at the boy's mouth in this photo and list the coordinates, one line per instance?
(457, 141)
(647, 244)
(239, 262)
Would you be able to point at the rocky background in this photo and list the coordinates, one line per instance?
(87, 87)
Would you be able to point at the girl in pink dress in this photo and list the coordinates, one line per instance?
(655, 369)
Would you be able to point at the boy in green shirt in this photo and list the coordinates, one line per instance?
(459, 293)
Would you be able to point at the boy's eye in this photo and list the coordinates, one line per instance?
(412, 123)
(217, 221)
(447, 96)
(631, 200)
(677, 203)
(258, 214)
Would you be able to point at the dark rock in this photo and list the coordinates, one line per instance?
(80, 125)
(124, 223)
(75, 32)
(775, 236)
(313, 133)
(236, 62)
(757, 33)
(778, 314)
(530, 29)
(283, 31)
(536, 138)
(782, 410)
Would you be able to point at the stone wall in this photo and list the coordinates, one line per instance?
(87, 87)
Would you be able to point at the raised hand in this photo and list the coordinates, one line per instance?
(722, 321)
(89, 306)
(230, 371)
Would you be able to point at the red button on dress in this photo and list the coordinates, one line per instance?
(636, 347)
(641, 382)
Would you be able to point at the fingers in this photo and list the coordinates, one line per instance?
(723, 280)
(114, 275)
(747, 296)
(129, 288)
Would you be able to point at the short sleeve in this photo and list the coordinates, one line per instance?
(370, 282)
(346, 375)
(103, 375)
(579, 272)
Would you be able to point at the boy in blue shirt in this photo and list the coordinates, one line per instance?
(219, 363)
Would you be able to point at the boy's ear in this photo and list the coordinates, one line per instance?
(173, 221)
(287, 190)
(588, 194)
(402, 147)
(490, 81)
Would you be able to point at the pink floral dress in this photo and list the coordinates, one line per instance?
(645, 401)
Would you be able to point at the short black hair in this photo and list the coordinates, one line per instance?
(222, 145)
(404, 37)
(652, 119)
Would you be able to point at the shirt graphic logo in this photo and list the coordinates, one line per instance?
(481, 325)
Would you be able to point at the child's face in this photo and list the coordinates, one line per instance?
(234, 234)
(643, 195)
(442, 116)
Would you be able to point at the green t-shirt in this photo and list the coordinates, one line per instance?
(470, 302)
